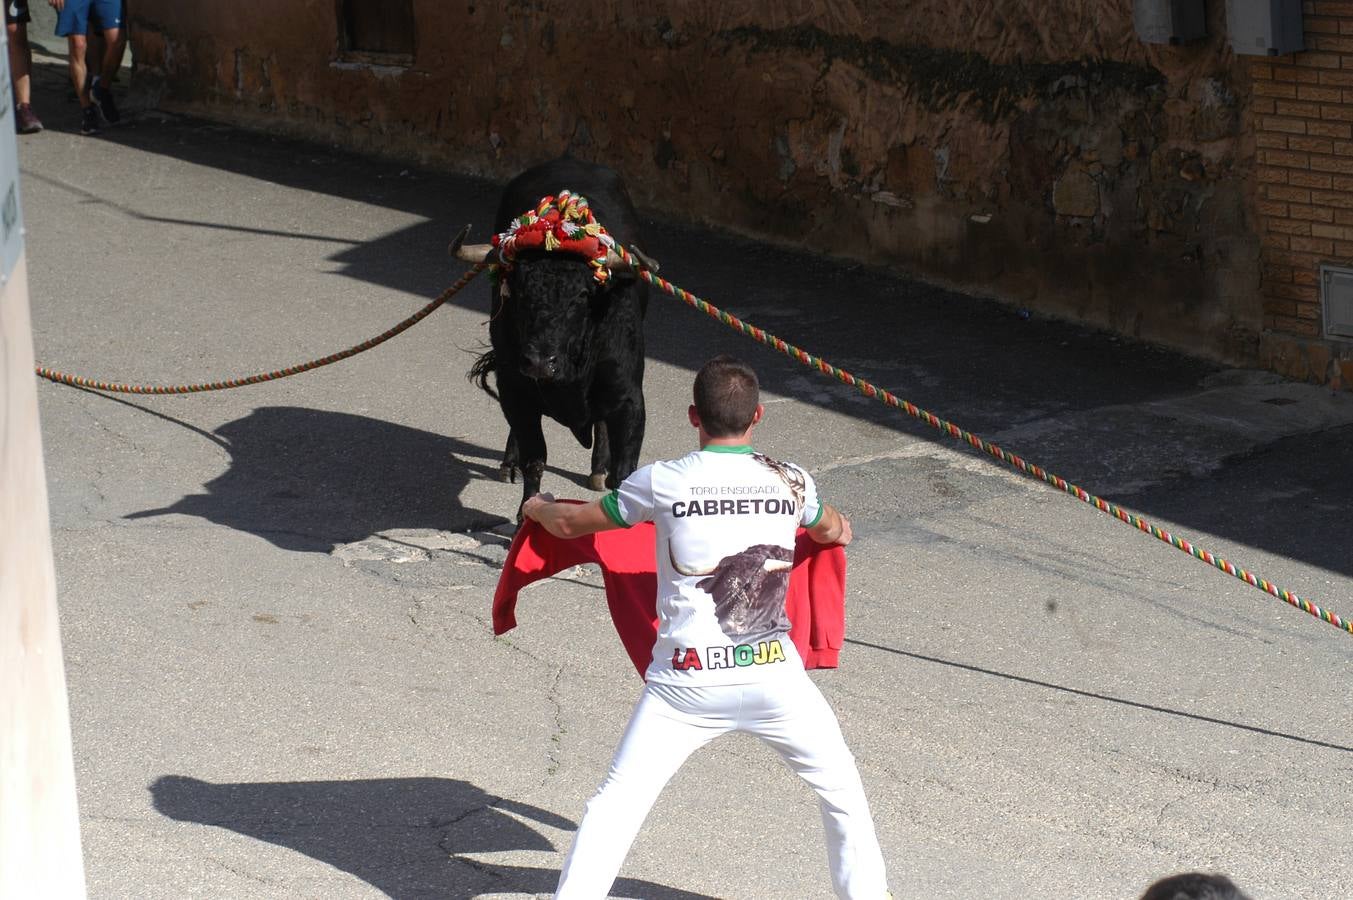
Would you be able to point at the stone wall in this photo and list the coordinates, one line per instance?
(1035, 152)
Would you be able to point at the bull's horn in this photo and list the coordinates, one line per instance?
(645, 260)
(689, 573)
(692, 573)
(456, 241)
(474, 253)
(470, 253)
(617, 263)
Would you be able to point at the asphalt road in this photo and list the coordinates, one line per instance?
(275, 600)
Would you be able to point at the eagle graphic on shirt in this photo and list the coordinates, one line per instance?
(791, 476)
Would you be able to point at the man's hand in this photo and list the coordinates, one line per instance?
(847, 535)
(532, 506)
(567, 520)
(57, 5)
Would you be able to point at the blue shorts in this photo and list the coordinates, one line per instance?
(76, 15)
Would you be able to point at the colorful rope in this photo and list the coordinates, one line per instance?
(116, 388)
(869, 390)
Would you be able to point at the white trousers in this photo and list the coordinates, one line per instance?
(670, 723)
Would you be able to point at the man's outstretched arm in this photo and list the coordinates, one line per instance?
(567, 520)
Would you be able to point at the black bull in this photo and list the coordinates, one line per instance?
(563, 345)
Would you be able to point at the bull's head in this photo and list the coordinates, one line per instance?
(554, 302)
(748, 590)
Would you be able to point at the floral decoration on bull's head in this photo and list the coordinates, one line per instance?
(562, 223)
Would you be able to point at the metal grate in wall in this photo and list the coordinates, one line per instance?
(1336, 299)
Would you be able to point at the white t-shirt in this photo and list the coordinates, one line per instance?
(726, 518)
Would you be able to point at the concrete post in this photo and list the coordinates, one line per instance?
(39, 821)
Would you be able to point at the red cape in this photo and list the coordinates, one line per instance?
(815, 601)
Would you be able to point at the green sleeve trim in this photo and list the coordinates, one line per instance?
(611, 504)
(821, 508)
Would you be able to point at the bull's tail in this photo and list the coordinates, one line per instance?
(479, 373)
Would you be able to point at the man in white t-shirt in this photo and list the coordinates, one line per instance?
(726, 518)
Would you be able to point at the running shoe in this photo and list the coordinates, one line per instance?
(89, 119)
(25, 120)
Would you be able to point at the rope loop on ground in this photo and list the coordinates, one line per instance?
(117, 388)
(949, 428)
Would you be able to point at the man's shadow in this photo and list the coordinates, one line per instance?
(406, 837)
(307, 479)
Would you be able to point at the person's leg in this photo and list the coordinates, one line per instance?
(94, 52)
(796, 720)
(20, 53)
(100, 86)
(663, 731)
(89, 110)
(20, 67)
(76, 45)
(72, 21)
(106, 21)
(108, 33)
(114, 45)
(16, 63)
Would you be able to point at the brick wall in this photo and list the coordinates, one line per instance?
(1302, 109)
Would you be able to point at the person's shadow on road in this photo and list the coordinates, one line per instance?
(307, 479)
(407, 837)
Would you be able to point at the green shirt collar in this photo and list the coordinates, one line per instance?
(728, 448)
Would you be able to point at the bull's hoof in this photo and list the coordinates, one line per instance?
(507, 474)
(597, 481)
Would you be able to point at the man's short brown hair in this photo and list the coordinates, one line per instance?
(726, 396)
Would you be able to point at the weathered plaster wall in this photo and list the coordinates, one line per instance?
(1037, 152)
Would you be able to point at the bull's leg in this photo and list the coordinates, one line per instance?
(601, 457)
(507, 471)
(530, 452)
(625, 428)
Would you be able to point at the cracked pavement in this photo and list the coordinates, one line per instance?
(275, 600)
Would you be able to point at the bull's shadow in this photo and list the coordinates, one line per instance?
(407, 837)
(307, 479)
